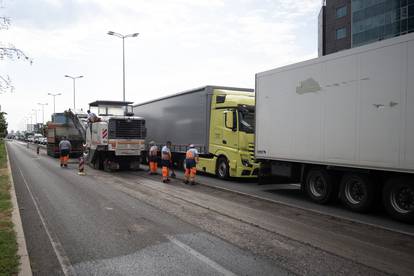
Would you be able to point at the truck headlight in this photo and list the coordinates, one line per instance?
(245, 162)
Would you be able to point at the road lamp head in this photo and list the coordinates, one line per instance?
(115, 34)
(78, 77)
(57, 94)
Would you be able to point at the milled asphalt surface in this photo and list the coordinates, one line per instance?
(128, 224)
(290, 194)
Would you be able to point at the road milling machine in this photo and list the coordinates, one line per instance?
(115, 140)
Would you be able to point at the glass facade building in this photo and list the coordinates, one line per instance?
(374, 20)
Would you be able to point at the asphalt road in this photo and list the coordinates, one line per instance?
(128, 224)
(291, 195)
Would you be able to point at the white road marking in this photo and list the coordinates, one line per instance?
(201, 257)
(61, 256)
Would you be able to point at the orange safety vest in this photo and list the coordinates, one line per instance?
(190, 154)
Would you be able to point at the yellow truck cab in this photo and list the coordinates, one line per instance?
(218, 120)
(231, 135)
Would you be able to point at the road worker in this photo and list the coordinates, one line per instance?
(166, 162)
(92, 118)
(64, 149)
(191, 160)
(153, 158)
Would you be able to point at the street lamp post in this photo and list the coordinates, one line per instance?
(35, 113)
(123, 56)
(73, 78)
(28, 120)
(43, 111)
(54, 96)
(31, 122)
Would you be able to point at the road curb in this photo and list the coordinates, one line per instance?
(24, 269)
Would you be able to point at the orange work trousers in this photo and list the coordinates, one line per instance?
(153, 166)
(190, 174)
(64, 159)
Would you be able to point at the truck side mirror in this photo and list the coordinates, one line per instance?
(229, 118)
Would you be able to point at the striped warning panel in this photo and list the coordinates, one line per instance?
(104, 133)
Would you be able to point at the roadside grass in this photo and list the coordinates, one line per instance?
(9, 261)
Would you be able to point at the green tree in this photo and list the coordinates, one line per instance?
(3, 124)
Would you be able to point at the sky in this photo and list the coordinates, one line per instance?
(182, 44)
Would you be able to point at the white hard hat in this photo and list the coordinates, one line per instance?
(191, 145)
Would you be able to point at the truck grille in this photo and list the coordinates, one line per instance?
(126, 129)
(251, 151)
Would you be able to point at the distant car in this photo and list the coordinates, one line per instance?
(43, 140)
(30, 138)
(37, 138)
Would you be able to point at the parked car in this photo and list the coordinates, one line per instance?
(37, 137)
(43, 140)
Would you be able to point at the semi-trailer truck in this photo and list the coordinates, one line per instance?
(218, 120)
(343, 126)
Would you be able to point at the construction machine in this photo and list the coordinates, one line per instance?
(115, 139)
(62, 126)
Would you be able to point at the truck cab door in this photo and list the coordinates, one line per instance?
(230, 129)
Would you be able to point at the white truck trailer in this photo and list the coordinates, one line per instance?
(343, 126)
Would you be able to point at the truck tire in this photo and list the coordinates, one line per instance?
(97, 164)
(106, 165)
(222, 170)
(357, 192)
(398, 198)
(320, 186)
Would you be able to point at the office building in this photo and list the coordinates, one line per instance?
(344, 24)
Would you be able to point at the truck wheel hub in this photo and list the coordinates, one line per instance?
(222, 169)
(318, 186)
(354, 192)
(403, 200)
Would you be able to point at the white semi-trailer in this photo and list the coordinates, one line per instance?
(343, 126)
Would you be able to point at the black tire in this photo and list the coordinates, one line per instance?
(398, 198)
(106, 166)
(357, 192)
(97, 164)
(222, 168)
(320, 186)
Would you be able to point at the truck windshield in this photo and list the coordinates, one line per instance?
(246, 118)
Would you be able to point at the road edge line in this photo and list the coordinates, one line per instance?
(61, 256)
(24, 267)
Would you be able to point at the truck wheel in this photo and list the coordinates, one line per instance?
(107, 165)
(398, 198)
(320, 186)
(97, 165)
(357, 192)
(222, 170)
